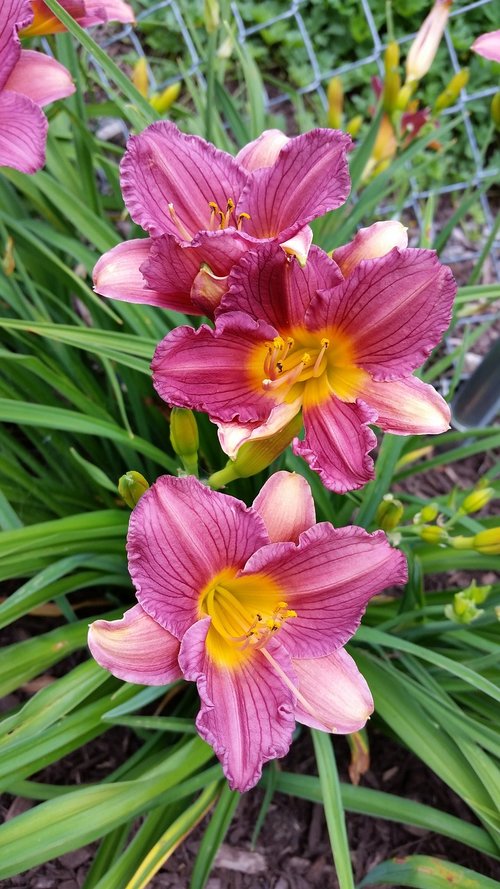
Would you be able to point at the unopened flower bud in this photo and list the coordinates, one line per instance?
(161, 102)
(184, 437)
(429, 512)
(488, 542)
(255, 455)
(131, 487)
(392, 80)
(464, 610)
(211, 15)
(354, 125)
(140, 77)
(424, 48)
(335, 96)
(495, 110)
(452, 91)
(433, 534)
(476, 500)
(404, 96)
(389, 513)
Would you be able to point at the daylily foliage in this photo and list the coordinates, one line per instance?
(254, 605)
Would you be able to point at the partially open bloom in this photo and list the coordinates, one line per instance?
(424, 48)
(85, 12)
(255, 606)
(341, 350)
(28, 80)
(488, 45)
(204, 209)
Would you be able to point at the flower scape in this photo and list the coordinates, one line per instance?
(255, 604)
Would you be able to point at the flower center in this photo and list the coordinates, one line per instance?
(220, 219)
(287, 363)
(245, 613)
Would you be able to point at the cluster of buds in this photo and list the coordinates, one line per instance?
(463, 609)
(486, 541)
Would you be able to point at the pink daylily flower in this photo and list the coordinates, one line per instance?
(488, 45)
(204, 209)
(85, 12)
(254, 605)
(341, 350)
(28, 80)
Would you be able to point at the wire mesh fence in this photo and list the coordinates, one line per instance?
(292, 15)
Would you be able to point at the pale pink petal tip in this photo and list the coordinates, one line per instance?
(286, 504)
(135, 648)
(336, 691)
(371, 243)
(118, 273)
(262, 152)
(40, 78)
(488, 46)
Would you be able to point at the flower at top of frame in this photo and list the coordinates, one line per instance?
(341, 350)
(254, 605)
(425, 46)
(488, 45)
(28, 80)
(85, 12)
(205, 209)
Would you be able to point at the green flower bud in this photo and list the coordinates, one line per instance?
(476, 500)
(335, 96)
(495, 110)
(389, 513)
(433, 534)
(131, 487)
(211, 15)
(256, 455)
(184, 438)
(452, 91)
(488, 542)
(392, 80)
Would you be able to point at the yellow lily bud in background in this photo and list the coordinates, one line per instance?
(476, 500)
(161, 102)
(184, 438)
(433, 534)
(354, 125)
(131, 487)
(452, 91)
(424, 48)
(392, 80)
(255, 455)
(488, 542)
(495, 110)
(389, 513)
(404, 96)
(140, 77)
(335, 96)
(429, 512)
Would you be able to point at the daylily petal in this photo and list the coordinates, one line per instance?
(23, 133)
(309, 177)
(269, 285)
(181, 535)
(14, 14)
(98, 12)
(40, 78)
(164, 167)
(45, 22)
(233, 435)
(299, 245)
(376, 240)
(286, 504)
(407, 407)
(135, 648)
(263, 151)
(170, 269)
(247, 713)
(336, 690)
(488, 45)
(393, 309)
(337, 442)
(118, 275)
(328, 578)
(218, 371)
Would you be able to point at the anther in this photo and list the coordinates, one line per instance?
(241, 219)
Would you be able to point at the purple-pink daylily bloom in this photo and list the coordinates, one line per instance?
(28, 80)
(254, 605)
(342, 350)
(204, 209)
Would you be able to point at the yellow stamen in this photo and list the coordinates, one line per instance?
(241, 219)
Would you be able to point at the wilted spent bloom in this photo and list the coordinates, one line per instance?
(424, 48)
(254, 605)
(131, 487)
(389, 513)
(476, 500)
(452, 91)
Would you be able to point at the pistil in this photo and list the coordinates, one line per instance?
(181, 228)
